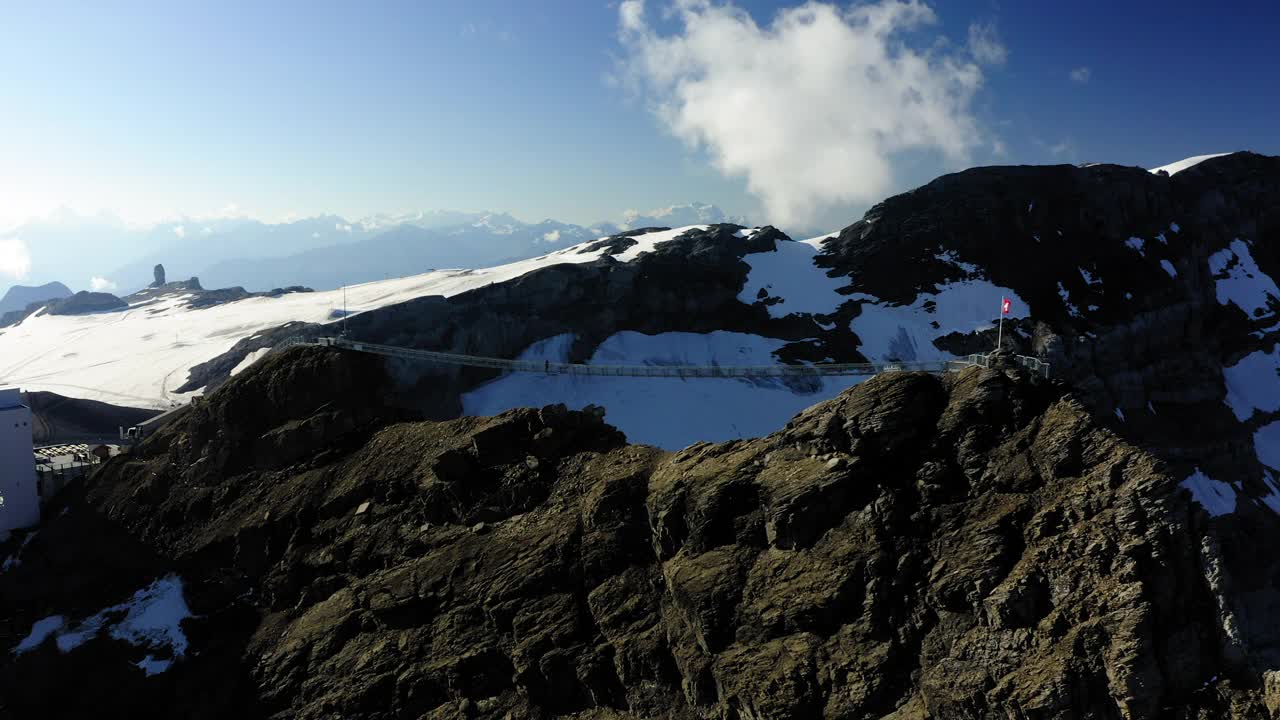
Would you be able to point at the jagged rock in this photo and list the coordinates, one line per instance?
(86, 302)
(920, 546)
(158, 272)
(983, 544)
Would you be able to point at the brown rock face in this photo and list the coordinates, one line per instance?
(964, 546)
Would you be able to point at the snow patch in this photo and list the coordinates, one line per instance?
(951, 258)
(248, 360)
(1168, 267)
(151, 618)
(670, 413)
(154, 617)
(790, 274)
(151, 666)
(1066, 300)
(1239, 280)
(1137, 245)
(1089, 277)
(40, 631)
(1120, 415)
(645, 243)
(1174, 227)
(1266, 442)
(1217, 498)
(1272, 498)
(817, 242)
(1254, 383)
(907, 332)
(1177, 167)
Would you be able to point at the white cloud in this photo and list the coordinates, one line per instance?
(814, 108)
(1061, 148)
(15, 258)
(1081, 75)
(984, 43)
(180, 231)
(695, 213)
(98, 284)
(551, 237)
(998, 148)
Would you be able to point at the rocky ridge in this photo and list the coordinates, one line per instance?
(976, 545)
(1121, 269)
(921, 546)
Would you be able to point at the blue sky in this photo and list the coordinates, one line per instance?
(282, 108)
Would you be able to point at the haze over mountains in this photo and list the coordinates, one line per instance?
(19, 297)
(322, 252)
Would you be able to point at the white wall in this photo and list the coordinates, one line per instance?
(17, 467)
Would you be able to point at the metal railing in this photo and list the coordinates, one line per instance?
(680, 371)
(1032, 364)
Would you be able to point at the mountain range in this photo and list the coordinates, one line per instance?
(323, 252)
(328, 533)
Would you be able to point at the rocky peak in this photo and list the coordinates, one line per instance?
(921, 546)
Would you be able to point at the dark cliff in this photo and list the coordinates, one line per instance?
(961, 546)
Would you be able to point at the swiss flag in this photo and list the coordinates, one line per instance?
(1005, 305)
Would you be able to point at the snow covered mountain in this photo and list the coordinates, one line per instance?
(1131, 491)
(1134, 289)
(403, 250)
(324, 252)
(388, 246)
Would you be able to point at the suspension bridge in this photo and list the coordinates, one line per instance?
(1034, 365)
(549, 367)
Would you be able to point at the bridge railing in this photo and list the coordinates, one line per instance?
(684, 371)
(1033, 364)
(680, 371)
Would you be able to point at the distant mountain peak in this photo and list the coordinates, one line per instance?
(19, 297)
(692, 213)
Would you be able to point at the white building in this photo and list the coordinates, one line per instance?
(19, 494)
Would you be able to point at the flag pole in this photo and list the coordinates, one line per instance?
(1000, 332)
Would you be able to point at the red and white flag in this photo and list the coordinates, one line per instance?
(1005, 305)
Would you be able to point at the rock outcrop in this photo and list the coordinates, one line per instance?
(86, 302)
(969, 545)
(158, 274)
